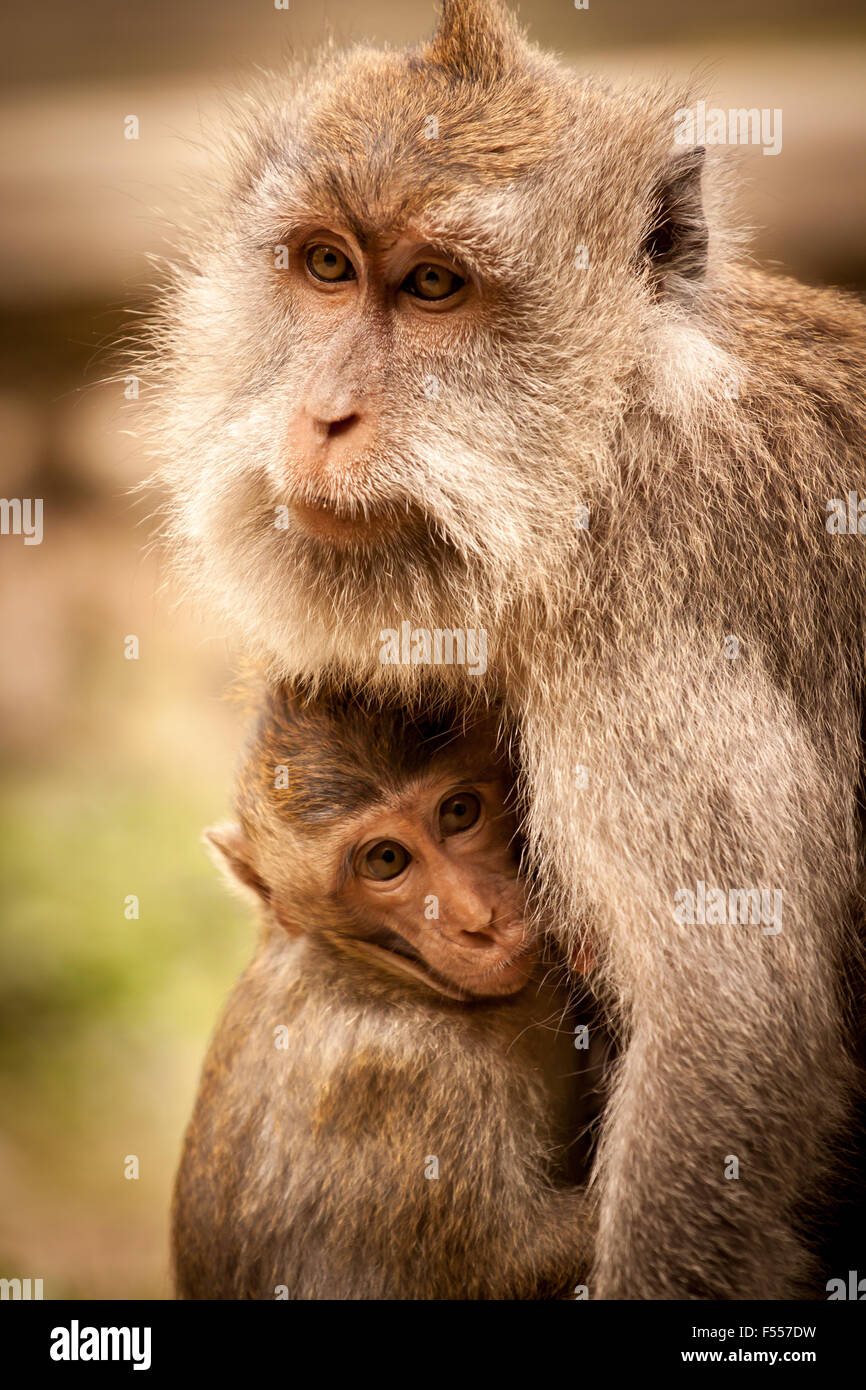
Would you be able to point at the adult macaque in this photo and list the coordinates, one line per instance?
(395, 1104)
(470, 347)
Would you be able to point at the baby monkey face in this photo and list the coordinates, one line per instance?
(430, 881)
(391, 839)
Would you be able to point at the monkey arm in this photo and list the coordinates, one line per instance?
(734, 1080)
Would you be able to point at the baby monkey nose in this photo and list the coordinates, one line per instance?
(474, 923)
(479, 933)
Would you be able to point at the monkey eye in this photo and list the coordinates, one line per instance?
(458, 813)
(387, 859)
(431, 281)
(329, 263)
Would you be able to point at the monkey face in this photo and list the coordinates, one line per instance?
(391, 378)
(432, 888)
(390, 838)
(369, 431)
(341, 434)
(425, 886)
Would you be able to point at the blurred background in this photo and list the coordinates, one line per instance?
(113, 766)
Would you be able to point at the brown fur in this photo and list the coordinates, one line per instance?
(607, 387)
(304, 1167)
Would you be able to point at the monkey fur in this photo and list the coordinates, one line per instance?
(701, 416)
(397, 1143)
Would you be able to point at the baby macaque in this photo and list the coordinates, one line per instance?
(398, 1100)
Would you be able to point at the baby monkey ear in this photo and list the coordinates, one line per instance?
(230, 850)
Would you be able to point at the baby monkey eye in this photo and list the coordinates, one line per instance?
(458, 812)
(385, 860)
(328, 263)
(429, 281)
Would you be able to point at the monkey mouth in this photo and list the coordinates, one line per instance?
(345, 524)
(508, 976)
(387, 940)
(337, 524)
(392, 953)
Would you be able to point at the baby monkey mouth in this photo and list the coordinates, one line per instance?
(389, 940)
(391, 945)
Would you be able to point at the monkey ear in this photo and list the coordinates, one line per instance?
(230, 850)
(476, 39)
(677, 241)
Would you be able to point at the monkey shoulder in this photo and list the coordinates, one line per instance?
(784, 332)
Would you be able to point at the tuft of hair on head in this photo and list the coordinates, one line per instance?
(476, 40)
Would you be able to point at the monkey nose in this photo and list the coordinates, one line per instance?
(474, 927)
(329, 437)
(332, 429)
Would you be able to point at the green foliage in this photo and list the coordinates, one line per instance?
(75, 848)
(104, 1020)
